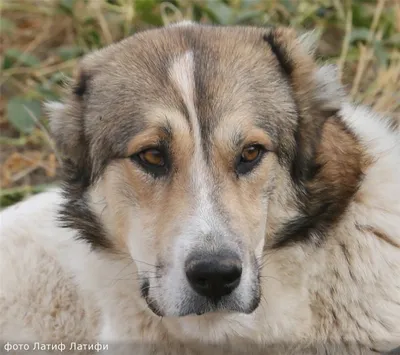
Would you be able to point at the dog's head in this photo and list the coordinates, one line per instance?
(186, 146)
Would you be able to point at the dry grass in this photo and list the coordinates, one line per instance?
(42, 40)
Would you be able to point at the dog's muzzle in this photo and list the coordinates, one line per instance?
(207, 282)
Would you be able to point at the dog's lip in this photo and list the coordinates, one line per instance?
(151, 304)
(205, 311)
(217, 311)
(153, 307)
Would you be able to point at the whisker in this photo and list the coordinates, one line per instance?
(143, 262)
(142, 273)
(151, 287)
(270, 277)
(144, 278)
(126, 266)
(265, 300)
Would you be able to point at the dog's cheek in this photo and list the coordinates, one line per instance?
(246, 203)
(140, 242)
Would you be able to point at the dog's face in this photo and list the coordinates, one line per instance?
(179, 145)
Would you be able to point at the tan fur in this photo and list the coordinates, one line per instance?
(378, 234)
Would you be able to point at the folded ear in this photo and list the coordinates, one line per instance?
(67, 128)
(316, 90)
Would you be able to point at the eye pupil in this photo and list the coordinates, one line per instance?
(152, 157)
(250, 153)
(249, 158)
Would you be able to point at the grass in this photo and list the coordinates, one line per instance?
(42, 41)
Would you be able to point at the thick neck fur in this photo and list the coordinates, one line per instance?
(341, 294)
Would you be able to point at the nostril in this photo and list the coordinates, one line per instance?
(201, 281)
(232, 275)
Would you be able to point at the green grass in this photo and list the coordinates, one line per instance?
(42, 40)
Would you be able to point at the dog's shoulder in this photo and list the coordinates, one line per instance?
(39, 298)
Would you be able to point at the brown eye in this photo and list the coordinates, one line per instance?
(153, 161)
(250, 153)
(152, 157)
(249, 158)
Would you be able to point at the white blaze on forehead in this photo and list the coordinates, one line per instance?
(182, 76)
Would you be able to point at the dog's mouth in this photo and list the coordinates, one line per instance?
(222, 307)
(151, 303)
(154, 307)
(195, 305)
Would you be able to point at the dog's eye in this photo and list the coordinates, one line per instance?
(250, 153)
(152, 157)
(152, 160)
(249, 158)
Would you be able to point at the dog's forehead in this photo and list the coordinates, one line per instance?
(209, 74)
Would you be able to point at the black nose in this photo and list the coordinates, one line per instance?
(214, 276)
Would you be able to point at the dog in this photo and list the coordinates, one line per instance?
(221, 194)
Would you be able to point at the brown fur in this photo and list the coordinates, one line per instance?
(379, 234)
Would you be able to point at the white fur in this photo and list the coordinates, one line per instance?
(329, 91)
(52, 107)
(309, 41)
(182, 23)
(39, 298)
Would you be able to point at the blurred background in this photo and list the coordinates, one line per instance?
(42, 40)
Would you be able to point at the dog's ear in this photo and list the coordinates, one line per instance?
(309, 41)
(316, 90)
(67, 126)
